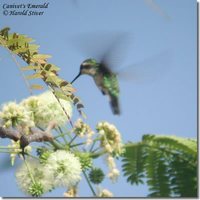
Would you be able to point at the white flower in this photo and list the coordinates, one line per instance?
(34, 170)
(14, 115)
(101, 132)
(65, 168)
(45, 108)
(111, 162)
(89, 141)
(110, 138)
(114, 174)
(104, 193)
(108, 148)
(81, 129)
(71, 192)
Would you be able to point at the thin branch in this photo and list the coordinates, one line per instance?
(73, 139)
(18, 65)
(21, 73)
(62, 135)
(93, 144)
(78, 144)
(28, 168)
(90, 185)
(9, 133)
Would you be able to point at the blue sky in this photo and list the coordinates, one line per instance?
(163, 51)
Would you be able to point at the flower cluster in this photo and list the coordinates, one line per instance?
(43, 154)
(110, 138)
(71, 192)
(64, 168)
(61, 168)
(55, 167)
(113, 171)
(45, 108)
(30, 175)
(35, 111)
(82, 129)
(14, 115)
(96, 175)
(85, 160)
(104, 193)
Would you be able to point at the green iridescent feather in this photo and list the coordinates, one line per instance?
(111, 83)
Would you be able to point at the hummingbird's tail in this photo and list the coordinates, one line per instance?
(114, 103)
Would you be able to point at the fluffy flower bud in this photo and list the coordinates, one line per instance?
(110, 138)
(96, 175)
(64, 168)
(31, 178)
(45, 108)
(105, 193)
(14, 115)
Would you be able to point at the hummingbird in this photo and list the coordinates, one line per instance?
(104, 78)
(106, 65)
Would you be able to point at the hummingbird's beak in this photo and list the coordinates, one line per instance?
(76, 77)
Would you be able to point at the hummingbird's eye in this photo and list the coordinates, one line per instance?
(85, 66)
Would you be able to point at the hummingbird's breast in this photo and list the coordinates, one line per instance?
(108, 84)
(98, 79)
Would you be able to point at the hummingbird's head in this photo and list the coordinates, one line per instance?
(89, 66)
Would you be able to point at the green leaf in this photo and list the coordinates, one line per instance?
(20, 39)
(30, 67)
(51, 67)
(21, 50)
(23, 47)
(59, 94)
(173, 142)
(168, 163)
(41, 56)
(33, 48)
(34, 76)
(36, 87)
(133, 160)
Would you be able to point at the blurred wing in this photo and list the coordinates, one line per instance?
(157, 8)
(117, 51)
(74, 3)
(148, 70)
(110, 48)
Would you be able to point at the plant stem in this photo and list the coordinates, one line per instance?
(68, 117)
(56, 145)
(21, 73)
(96, 149)
(96, 155)
(8, 152)
(88, 181)
(68, 133)
(9, 148)
(78, 144)
(62, 135)
(73, 139)
(92, 146)
(32, 178)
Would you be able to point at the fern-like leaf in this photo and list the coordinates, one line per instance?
(168, 163)
(133, 160)
(22, 46)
